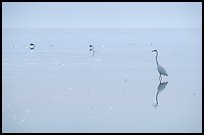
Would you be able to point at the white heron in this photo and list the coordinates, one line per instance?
(160, 69)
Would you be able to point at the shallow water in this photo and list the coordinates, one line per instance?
(60, 87)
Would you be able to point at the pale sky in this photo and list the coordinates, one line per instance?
(101, 14)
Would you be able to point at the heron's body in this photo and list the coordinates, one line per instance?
(160, 69)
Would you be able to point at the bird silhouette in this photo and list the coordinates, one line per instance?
(160, 69)
(32, 46)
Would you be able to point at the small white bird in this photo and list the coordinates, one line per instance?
(32, 46)
(92, 50)
(160, 69)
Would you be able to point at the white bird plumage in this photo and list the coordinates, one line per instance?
(160, 69)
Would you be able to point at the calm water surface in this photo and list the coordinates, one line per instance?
(60, 87)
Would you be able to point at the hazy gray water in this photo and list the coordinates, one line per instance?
(60, 87)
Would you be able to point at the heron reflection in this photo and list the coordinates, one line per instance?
(161, 87)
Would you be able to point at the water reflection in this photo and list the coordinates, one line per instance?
(161, 86)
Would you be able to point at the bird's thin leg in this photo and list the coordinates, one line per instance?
(160, 78)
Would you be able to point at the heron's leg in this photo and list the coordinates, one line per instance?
(160, 78)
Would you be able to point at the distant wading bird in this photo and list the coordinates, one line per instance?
(160, 69)
(92, 50)
(32, 46)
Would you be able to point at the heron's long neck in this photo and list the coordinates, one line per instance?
(156, 58)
